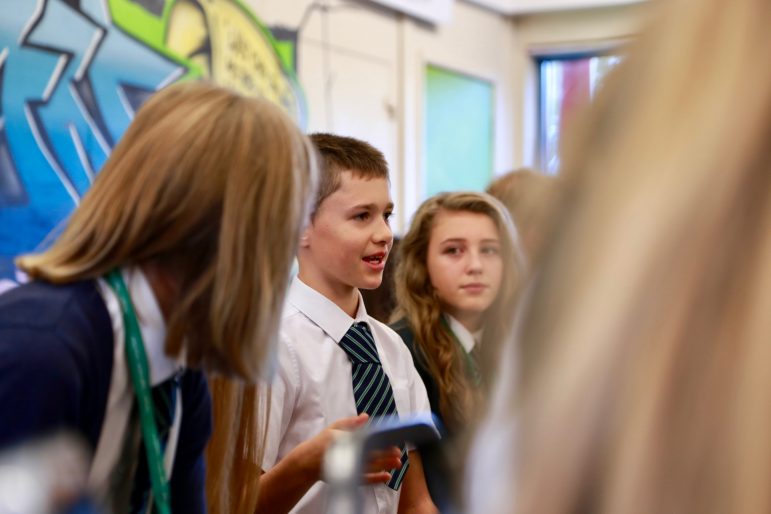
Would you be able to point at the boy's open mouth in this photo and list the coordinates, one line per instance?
(376, 258)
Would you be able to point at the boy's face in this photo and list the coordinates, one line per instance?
(348, 241)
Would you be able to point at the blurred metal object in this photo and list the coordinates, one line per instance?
(344, 460)
(343, 465)
(43, 477)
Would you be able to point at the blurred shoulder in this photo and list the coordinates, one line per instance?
(36, 314)
(404, 330)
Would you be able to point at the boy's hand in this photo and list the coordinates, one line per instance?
(378, 462)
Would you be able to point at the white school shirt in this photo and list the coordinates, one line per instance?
(467, 339)
(120, 397)
(313, 385)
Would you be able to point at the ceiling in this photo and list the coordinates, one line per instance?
(440, 11)
(516, 7)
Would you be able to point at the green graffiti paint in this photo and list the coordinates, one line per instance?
(219, 40)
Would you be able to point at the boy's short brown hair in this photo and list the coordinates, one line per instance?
(339, 154)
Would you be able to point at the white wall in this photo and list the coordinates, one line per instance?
(362, 68)
(348, 64)
(477, 42)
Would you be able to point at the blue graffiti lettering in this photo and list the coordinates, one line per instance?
(70, 82)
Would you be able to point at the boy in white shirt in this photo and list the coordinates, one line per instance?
(337, 365)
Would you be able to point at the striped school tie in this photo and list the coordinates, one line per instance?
(371, 387)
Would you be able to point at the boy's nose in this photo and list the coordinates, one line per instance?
(383, 233)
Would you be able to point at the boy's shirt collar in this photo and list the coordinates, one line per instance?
(322, 311)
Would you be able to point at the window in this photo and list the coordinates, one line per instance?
(565, 82)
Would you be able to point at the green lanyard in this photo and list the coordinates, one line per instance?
(140, 378)
(471, 363)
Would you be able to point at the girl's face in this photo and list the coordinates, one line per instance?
(464, 262)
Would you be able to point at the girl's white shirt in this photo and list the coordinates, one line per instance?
(121, 394)
(468, 340)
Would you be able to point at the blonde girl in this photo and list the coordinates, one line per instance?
(646, 384)
(170, 264)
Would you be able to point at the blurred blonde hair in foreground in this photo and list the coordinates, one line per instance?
(645, 384)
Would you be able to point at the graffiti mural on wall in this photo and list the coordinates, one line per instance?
(74, 72)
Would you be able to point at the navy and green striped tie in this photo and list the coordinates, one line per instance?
(371, 388)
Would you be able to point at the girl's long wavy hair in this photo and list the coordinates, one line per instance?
(418, 302)
(194, 187)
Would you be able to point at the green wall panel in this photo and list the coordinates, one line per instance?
(458, 148)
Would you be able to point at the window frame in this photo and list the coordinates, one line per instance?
(564, 53)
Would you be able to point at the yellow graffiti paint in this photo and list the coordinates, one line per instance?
(235, 52)
(186, 34)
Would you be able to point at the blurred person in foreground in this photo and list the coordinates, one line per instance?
(644, 384)
(168, 267)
